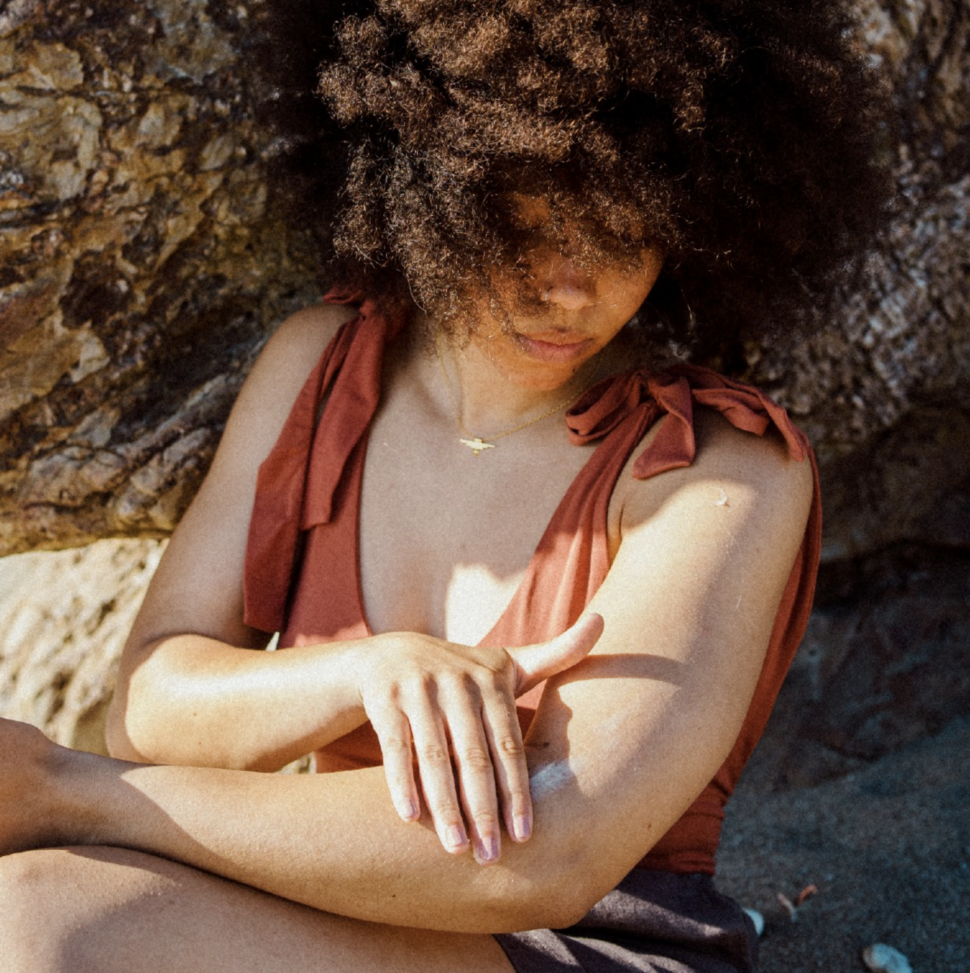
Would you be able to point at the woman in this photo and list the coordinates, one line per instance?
(516, 197)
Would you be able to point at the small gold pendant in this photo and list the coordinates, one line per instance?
(477, 444)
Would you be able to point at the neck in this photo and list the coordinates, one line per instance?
(486, 401)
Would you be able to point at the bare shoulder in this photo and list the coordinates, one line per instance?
(268, 394)
(739, 510)
(198, 586)
(733, 471)
(297, 344)
(311, 328)
(278, 375)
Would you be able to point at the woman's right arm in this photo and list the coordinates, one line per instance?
(189, 693)
(186, 691)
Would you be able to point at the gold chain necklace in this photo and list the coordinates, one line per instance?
(475, 443)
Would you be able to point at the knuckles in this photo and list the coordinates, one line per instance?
(433, 755)
(475, 759)
(445, 812)
(395, 746)
(486, 820)
(510, 746)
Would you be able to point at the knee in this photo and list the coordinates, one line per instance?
(34, 924)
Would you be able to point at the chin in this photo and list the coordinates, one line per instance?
(546, 379)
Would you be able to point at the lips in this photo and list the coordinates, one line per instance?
(554, 346)
(555, 336)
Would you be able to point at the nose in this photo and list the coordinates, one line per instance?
(566, 285)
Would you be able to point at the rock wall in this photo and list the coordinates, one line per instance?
(140, 268)
(883, 390)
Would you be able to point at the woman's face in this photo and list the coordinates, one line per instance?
(579, 311)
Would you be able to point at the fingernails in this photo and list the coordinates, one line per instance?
(486, 851)
(407, 809)
(521, 828)
(456, 837)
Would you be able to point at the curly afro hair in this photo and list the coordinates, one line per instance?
(746, 138)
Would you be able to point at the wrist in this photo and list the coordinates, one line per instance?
(79, 797)
(328, 688)
(354, 667)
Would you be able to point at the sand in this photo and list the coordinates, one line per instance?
(888, 848)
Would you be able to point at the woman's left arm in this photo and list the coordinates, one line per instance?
(620, 747)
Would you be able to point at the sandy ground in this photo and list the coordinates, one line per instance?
(888, 848)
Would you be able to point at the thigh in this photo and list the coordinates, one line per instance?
(111, 909)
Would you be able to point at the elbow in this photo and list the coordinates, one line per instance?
(554, 906)
(131, 731)
(125, 725)
(570, 884)
(569, 898)
(139, 725)
(560, 909)
(555, 894)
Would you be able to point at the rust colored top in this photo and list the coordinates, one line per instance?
(302, 575)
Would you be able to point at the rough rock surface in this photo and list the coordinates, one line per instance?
(139, 266)
(64, 618)
(883, 390)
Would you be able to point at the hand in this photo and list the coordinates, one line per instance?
(25, 766)
(444, 703)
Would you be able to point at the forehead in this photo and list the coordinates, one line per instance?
(529, 211)
(571, 220)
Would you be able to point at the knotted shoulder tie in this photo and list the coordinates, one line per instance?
(670, 395)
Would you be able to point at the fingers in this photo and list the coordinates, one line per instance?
(459, 765)
(465, 741)
(511, 770)
(533, 663)
(449, 711)
(493, 774)
(433, 752)
(476, 775)
(394, 735)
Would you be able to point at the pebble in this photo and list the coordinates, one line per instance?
(757, 918)
(881, 958)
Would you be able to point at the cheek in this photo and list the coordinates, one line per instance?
(629, 294)
(653, 264)
(639, 290)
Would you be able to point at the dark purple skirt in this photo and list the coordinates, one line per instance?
(652, 922)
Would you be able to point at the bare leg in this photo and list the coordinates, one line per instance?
(110, 910)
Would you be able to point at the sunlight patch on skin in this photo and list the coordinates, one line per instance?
(551, 778)
(476, 598)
